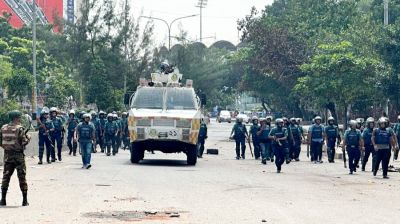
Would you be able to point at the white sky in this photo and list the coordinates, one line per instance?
(219, 17)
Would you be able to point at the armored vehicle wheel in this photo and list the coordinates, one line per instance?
(137, 154)
(192, 156)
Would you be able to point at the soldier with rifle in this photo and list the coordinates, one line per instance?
(239, 134)
(279, 136)
(353, 144)
(13, 139)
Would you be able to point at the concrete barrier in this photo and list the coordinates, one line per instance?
(32, 149)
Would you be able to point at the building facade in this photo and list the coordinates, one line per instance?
(21, 11)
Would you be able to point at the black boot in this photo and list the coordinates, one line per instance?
(25, 198)
(3, 197)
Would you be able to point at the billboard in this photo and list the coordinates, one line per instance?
(21, 11)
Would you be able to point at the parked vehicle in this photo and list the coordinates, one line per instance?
(224, 116)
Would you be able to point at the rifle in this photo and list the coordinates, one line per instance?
(308, 150)
(47, 132)
(251, 150)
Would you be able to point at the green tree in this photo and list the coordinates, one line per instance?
(337, 75)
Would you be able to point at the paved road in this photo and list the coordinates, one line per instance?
(218, 189)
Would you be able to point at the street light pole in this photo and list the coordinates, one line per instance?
(169, 25)
(34, 92)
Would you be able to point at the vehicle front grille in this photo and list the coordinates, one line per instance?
(164, 122)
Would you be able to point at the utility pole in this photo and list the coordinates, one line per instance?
(201, 4)
(34, 92)
(126, 42)
(169, 25)
(386, 12)
(386, 23)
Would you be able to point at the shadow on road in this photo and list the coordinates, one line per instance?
(162, 162)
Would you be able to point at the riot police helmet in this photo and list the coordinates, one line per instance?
(370, 120)
(71, 112)
(44, 111)
(239, 120)
(254, 118)
(353, 123)
(331, 118)
(293, 120)
(279, 121)
(318, 118)
(53, 109)
(268, 118)
(86, 115)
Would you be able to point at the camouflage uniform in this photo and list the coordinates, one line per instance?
(13, 140)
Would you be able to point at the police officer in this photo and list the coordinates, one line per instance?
(368, 146)
(253, 133)
(279, 136)
(331, 136)
(265, 142)
(354, 144)
(383, 139)
(72, 123)
(295, 142)
(315, 139)
(94, 121)
(46, 127)
(396, 130)
(286, 124)
(125, 130)
(240, 134)
(100, 132)
(110, 134)
(202, 138)
(86, 136)
(13, 140)
(56, 136)
(118, 136)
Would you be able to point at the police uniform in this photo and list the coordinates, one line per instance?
(86, 133)
(72, 123)
(94, 122)
(265, 143)
(295, 142)
(369, 147)
(382, 137)
(101, 124)
(240, 132)
(316, 131)
(256, 142)
(110, 132)
(352, 138)
(280, 147)
(125, 132)
(202, 139)
(45, 129)
(396, 130)
(13, 140)
(56, 136)
(332, 134)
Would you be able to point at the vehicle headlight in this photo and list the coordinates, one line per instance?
(183, 124)
(143, 122)
(185, 134)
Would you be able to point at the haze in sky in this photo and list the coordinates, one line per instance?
(219, 17)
